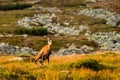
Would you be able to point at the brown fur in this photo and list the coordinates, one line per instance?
(44, 53)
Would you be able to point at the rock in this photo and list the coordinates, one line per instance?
(73, 50)
(106, 40)
(83, 28)
(10, 49)
(16, 58)
(46, 21)
(111, 18)
(49, 9)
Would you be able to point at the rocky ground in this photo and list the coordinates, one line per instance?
(72, 21)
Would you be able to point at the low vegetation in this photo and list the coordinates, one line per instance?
(88, 63)
(6, 7)
(74, 67)
(32, 31)
(103, 66)
(37, 42)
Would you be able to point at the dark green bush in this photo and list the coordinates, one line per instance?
(101, 21)
(89, 43)
(32, 31)
(7, 7)
(89, 63)
(16, 0)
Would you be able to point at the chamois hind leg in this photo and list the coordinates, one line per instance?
(41, 61)
(36, 62)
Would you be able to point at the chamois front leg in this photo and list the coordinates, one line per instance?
(36, 62)
(48, 60)
(41, 59)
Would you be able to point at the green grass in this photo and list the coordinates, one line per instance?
(8, 19)
(38, 42)
(103, 28)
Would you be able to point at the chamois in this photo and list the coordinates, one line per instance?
(44, 53)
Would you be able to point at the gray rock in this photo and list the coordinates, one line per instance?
(49, 9)
(107, 41)
(10, 49)
(46, 21)
(111, 18)
(73, 50)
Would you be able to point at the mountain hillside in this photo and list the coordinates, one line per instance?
(85, 34)
(80, 22)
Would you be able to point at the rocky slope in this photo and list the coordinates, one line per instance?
(73, 19)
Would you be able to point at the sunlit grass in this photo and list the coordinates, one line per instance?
(29, 71)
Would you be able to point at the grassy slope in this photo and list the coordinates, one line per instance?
(28, 70)
(63, 71)
(8, 19)
(38, 42)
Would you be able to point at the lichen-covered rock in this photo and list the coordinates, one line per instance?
(110, 17)
(49, 9)
(73, 50)
(106, 40)
(10, 49)
(45, 21)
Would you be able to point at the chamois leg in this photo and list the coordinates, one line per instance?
(36, 62)
(48, 60)
(41, 61)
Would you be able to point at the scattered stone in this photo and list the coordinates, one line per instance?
(49, 9)
(106, 40)
(10, 49)
(16, 58)
(46, 21)
(73, 50)
(110, 17)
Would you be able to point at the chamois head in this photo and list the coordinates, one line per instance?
(49, 41)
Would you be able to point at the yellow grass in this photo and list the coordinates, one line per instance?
(26, 70)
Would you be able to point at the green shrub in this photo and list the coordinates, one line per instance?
(89, 43)
(16, 0)
(89, 63)
(92, 64)
(7, 7)
(32, 31)
(101, 21)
